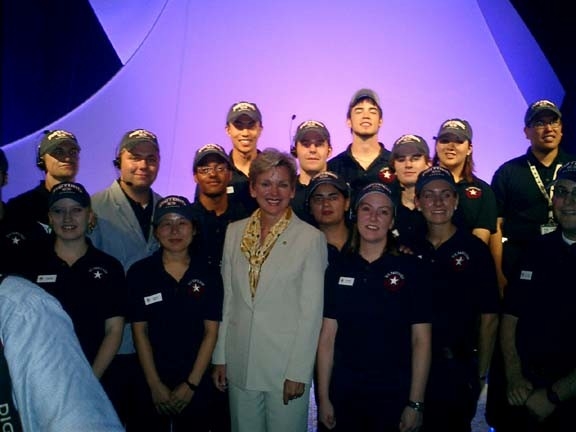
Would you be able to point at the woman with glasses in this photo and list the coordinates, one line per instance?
(175, 307)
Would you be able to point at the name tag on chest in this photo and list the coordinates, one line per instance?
(348, 281)
(154, 298)
(46, 278)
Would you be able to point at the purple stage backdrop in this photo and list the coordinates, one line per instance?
(186, 62)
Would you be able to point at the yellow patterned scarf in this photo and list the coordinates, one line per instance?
(256, 253)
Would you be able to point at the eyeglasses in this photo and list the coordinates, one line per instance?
(563, 193)
(207, 170)
(539, 124)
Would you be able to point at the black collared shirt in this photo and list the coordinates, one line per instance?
(174, 311)
(542, 297)
(476, 205)
(348, 168)
(142, 213)
(375, 305)
(28, 207)
(299, 203)
(91, 290)
(464, 287)
(518, 198)
(212, 229)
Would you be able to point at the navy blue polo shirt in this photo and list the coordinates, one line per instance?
(463, 277)
(299, 206)
(174, 311)
(211, 230)
(350, 170)
(30, 206)
(375, 305)
(476, 205)
(542, 296)
(409, 225)
(24, 228)
(519, 200)
(91, 290)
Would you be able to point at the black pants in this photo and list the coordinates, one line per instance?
(119, 382)
(452, 395)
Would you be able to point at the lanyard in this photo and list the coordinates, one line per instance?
(538, 180)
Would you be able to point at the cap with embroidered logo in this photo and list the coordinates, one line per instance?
(73, 191)
(172, 204)
(137, 136)
(210, 149)
(457, 127)
(249, 109)
(567, 172)
(410, 145)
(362, 94)
(53, 139)
(434, 173)
(331, 178)
(373, 188)
(311, 126)
(538, 107)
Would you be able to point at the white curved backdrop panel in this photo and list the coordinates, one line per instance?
(186, 62)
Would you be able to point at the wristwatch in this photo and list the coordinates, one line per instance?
(416, 406)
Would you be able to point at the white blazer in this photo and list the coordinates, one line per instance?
(273, 337)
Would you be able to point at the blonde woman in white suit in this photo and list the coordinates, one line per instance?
(273, 273)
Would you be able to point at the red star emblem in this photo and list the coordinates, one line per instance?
(472, 192)
(385, 175)
(394, 281)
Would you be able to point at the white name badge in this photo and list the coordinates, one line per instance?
(526, 275)
(348, 281)
(547, 228)
(154, 298)
(46, 278)
(230, 190)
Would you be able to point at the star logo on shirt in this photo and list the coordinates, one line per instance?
(473, 192)
(385, 175)
(394, 281)
(15, 238)
(196, 288)
(460, 261)
(97, 272)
